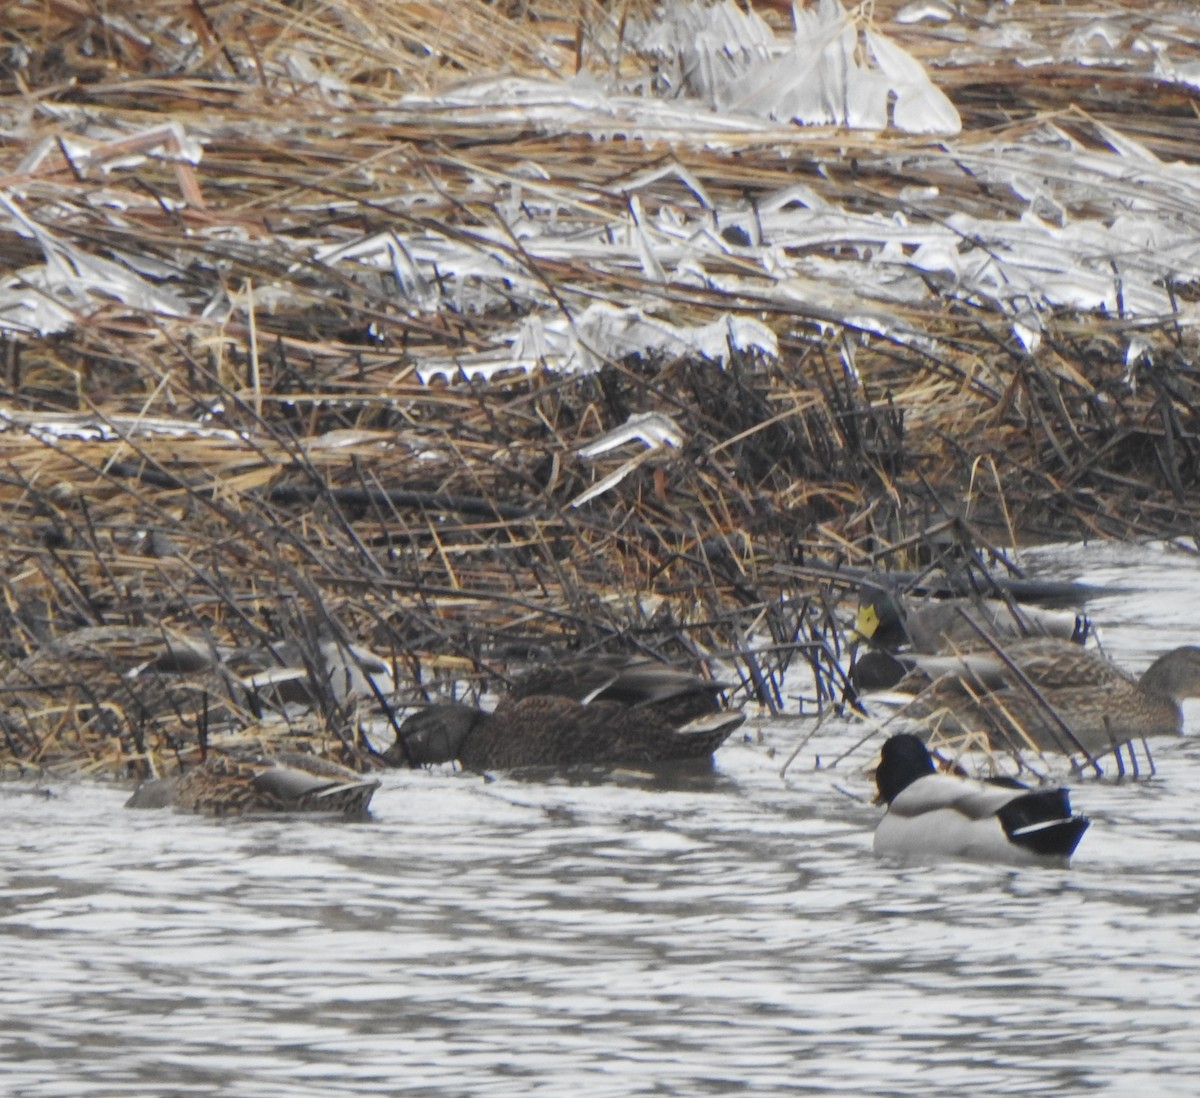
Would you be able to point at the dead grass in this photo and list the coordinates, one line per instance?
(270, 455)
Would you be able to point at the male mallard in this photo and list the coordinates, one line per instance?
(604, 711)
(1057, 695)
(934, 625)
(223, 785)
(932, 815)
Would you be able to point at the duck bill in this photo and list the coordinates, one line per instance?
(866, 624)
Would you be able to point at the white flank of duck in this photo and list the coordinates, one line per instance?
(932, 815)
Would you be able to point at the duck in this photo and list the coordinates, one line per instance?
(76, 693)
(600, 712)
(322, 666)
(890, 622)
(932, 815)
(1054, 695)
(637, 682)
(226, 785)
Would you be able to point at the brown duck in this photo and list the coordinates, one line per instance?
(70, 698)
(223, 785)
(604, 711)
(1055, 695)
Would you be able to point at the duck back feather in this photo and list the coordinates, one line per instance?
(600, 711)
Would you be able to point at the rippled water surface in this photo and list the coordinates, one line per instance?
(724, 934)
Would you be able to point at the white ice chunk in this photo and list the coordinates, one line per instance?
(1027, 327)
(606, 333)
(654, 429)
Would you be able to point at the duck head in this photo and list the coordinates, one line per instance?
(1175, 675)
(902, 761)
(433, 735)
(880, 619)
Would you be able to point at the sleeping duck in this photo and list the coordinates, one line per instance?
(601, 711)
(932, 815)
(225, 785)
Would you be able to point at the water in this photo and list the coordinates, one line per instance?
(723, 934)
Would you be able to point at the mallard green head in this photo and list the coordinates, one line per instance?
(880, 619)
(902, 761)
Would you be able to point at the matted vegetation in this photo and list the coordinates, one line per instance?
(309, 329)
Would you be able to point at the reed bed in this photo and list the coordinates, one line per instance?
(361, 320)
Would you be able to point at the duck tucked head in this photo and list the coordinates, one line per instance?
(889, 621)
(903, 760)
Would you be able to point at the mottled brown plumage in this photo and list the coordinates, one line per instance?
(603, 712)
(556, 731)
(1100, 705)
(223, 785)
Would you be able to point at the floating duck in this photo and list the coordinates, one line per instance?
(1055, 695)
(935, 625)
(71, 697)
(602, 711)
(223, 785)
(932, 815)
